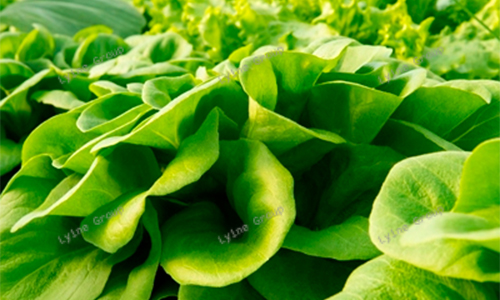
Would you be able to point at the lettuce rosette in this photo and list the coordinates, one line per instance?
(186, 159)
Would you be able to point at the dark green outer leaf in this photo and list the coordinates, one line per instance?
(16, 110)
(443, 107)
(11, 155)
(107, 179)
(355, 112)
(295, 276)
(410, 139)
(484, 124)
(13, 72)
(237, 291)
(347, 241)
(349, 179)
(69, 16)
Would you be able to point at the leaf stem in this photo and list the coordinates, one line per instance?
(5, 91)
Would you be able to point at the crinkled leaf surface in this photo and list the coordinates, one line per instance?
(81, 159)
(418, 190)
(387, 278)
(196, 155)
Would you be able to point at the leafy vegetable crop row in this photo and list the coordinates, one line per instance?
(370, 177)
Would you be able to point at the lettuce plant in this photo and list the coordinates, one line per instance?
(187, 158)
(122, 182)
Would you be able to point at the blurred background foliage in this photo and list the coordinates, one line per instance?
(467, 30)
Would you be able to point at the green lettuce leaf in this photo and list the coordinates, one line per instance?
(237, 291)
(387, 278)
(193, 251)
(62, 270)
(347, 241)
(411, 203)
(350, 119)
(295, 276)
